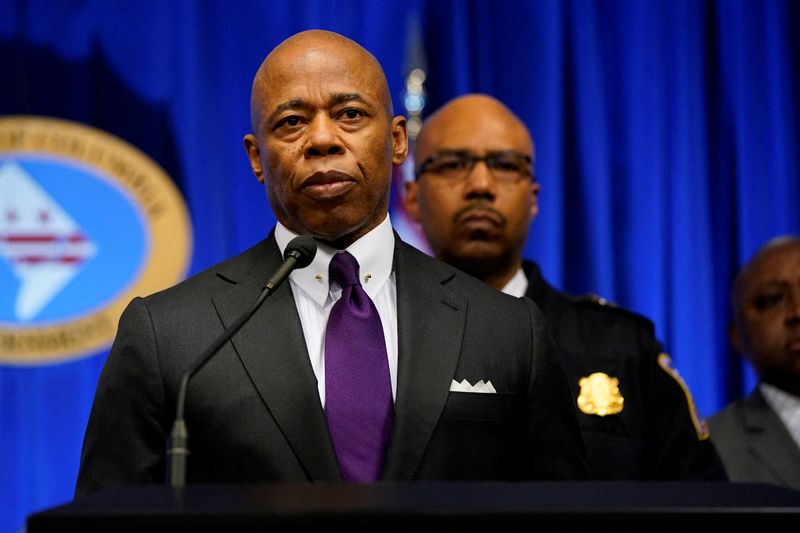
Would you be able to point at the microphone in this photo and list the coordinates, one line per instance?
(298, 254)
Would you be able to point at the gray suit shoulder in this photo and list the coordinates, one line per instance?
(729, 422)
(216, 277)
(754, 444)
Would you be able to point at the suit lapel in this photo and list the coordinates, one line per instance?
(272, 348)
(769, 440)
(430, 325)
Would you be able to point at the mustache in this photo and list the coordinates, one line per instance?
(482, 209)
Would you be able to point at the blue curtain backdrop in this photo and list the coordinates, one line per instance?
(666, 132)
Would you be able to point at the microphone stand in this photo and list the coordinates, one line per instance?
(178, 450)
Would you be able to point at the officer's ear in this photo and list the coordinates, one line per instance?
(411, 199)
(534, 192)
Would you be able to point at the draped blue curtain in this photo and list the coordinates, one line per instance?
(666, 134)
(667, 148)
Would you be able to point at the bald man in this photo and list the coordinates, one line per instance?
(475, 195)
(758, 437)
(376, 362)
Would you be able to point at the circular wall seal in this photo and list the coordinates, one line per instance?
(87, 222)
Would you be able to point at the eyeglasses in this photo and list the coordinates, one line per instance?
(455, 165)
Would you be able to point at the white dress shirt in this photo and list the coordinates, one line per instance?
(517, 285)
(786, 406)
(314, 296)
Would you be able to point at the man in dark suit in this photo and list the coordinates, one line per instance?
(758, 437)
(473, 385)
(475, 195)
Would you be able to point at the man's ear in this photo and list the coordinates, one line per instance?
(411, 200)
(399, 140)
(534, 192)
(254, 155)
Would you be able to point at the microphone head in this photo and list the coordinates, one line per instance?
(303, 248)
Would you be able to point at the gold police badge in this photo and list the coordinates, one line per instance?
(600, 395)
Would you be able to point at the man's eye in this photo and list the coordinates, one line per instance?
(451, 164)
(769, 301)
(507, 165)
(352, 113)
(290, 121)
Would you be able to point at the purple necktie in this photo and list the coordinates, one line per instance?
(358, 390)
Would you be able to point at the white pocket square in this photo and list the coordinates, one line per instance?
(464, 386)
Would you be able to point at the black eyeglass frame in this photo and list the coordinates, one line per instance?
(471, 160)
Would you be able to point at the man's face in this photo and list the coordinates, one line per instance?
(325, 142)
(767, 325)
(478, 223)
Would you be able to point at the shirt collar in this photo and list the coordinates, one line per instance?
(374, 253)
(779, 399)
(517, 285)
(786, 405)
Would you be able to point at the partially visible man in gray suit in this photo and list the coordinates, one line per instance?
(452, 380)
(758, 437)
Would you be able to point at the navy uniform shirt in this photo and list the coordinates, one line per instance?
(637, 417)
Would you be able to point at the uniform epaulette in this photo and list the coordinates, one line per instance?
(594, 300)
(599, 300)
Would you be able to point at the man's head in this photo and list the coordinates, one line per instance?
(475, 212)
(324, 138)
(766, 306)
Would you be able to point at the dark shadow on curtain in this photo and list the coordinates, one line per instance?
(89, 92)
(575, 230)
(722, 150)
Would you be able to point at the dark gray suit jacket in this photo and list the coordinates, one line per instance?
(754, 444)
(254, 414)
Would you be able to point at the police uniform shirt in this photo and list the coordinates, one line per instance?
(635, 412)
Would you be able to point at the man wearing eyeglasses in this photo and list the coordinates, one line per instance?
(475, 195)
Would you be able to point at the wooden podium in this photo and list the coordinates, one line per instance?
(450, 507)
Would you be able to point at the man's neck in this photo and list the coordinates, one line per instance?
(341, 241)
(496, 277)
(498, 280)
(786, 383)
